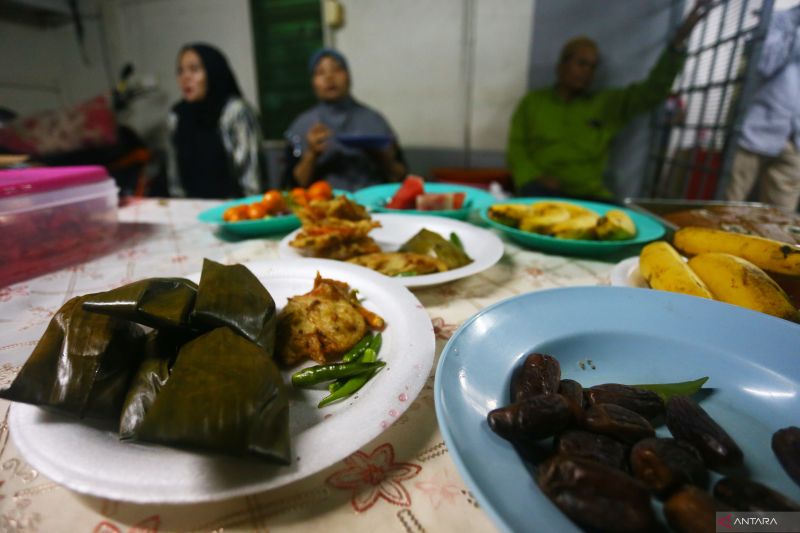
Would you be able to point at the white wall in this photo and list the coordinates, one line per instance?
(407, 60)
(25, 86)
(149, 33)
(43, 67)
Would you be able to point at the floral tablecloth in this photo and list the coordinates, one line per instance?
(403, 481)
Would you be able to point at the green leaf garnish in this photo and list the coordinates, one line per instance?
(668, 390)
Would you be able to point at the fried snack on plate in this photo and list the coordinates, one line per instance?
(400, 263)
(337, 239)
(335, 229)
(323, 323)
(318, 212)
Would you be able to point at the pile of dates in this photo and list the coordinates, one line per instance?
(607, 462)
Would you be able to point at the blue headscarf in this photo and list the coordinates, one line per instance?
(317, 56)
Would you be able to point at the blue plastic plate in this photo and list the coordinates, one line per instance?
(648, 228)
(365, 141)
(253, 228)
(622, 335)
(376, 197)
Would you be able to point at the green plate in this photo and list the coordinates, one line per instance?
(376, 197)
(254, 228)
(648, 229)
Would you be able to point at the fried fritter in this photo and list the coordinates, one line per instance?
(335, 229)
(338, 239)
(341, 207)
(323, 323)
(396, 263)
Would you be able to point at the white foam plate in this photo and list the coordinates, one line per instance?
(90, 459)
(626, 274)
(483, 246)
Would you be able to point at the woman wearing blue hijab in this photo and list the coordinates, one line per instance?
(321, 139)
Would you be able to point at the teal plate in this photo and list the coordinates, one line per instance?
(613, 335)
(253, 228)
(376, 197)
(648, 229)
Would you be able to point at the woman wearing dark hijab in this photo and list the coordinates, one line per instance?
(215, 134)
(317, 138)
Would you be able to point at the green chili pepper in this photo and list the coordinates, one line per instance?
(369, 354)
(668, 390)
(354, 383)
(376, 343)
(406, 274)
(317, 374)
(456, 240)
(355, 353)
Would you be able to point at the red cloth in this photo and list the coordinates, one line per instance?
(87, 125)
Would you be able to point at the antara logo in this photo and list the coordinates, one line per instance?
(755, 521)
(725, 521)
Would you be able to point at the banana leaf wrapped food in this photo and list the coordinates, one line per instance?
(233, 296)
(154, 302)
(427, 242)
(160, 351)
(204, 378)
(82, 365)
(224, 393)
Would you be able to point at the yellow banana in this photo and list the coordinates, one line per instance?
(577, 227)
(665, 270)
(768, 254)
(508, 214)
(737, 281)
(615, 225)
(540, 218)
(573, 209)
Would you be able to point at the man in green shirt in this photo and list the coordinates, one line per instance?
(560, 136)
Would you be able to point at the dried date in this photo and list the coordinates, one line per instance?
(689, 422)
(665, 464)
(534, 417)
(539, 374)
(595, 495)
(617, 422)
(646, 403)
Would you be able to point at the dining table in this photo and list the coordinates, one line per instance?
(404, 480)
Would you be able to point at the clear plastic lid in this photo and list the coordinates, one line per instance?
(33, 180)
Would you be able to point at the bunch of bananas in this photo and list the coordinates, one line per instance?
(729, 267)
(565, 220)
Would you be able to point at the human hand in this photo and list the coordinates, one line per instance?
(698, 11)
(317, 138)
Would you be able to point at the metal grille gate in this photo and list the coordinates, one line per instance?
(694, 134)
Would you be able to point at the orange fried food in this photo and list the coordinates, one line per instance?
(323, 323)
(338, 239)
(335, 229)
(320, 211)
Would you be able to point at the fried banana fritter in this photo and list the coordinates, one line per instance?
(323, 323)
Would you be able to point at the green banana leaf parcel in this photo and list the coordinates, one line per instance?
(427, 242)
(154, 302)
(224, 394)
(82, 365)
(230, 295)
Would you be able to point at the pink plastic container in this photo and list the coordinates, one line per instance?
(52, 217)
